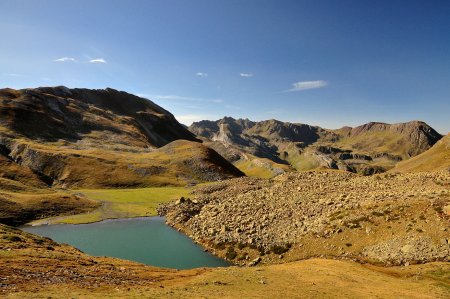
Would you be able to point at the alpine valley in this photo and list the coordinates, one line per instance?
(299, 211)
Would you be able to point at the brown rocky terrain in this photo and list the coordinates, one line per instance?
(391, 219)
(367, 149)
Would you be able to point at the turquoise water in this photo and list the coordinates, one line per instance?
(145, 240)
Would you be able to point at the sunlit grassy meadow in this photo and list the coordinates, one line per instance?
(123, 203)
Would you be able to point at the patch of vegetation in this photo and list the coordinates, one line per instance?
(220, 246)
(438, 209)
(261, 250)
(231, 253)
(356, 223)
(242, 257)
(443, 278)
(12, 238)
(337, 216)
(378, 213)
(39, 241)
(280, 249)
(241, 246)
(264, 169)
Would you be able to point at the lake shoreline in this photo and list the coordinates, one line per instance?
(32, 224)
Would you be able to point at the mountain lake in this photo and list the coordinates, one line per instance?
(148, 240)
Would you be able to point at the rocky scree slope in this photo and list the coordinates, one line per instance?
(391, 219)
(275, 147)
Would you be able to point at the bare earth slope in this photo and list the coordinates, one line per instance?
(271, 147)
(436, 158)
(35, 267)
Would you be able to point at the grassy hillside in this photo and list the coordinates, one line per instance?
(261, 167)
(177, 164)
(436, 158)
(20, 208)
(99, 138)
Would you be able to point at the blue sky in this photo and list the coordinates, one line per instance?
(327, 63)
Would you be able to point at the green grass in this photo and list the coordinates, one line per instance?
(442, 277)
(304, 162)
(260, 167)
(124, 203)
(252, 170)
(376, 141)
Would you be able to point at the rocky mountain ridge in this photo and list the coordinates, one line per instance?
(53, 113)
(370, 148)
(82, 137)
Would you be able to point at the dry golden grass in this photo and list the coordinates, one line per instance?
(20, 208)
(176, 164)
(436, 158)
(260, 167)
(376, 142)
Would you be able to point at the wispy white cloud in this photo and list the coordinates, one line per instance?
(183, 98)
(305, 85)
(65, 59)
(246, 75)
(97, 60)
(11, 75)
(200, 74)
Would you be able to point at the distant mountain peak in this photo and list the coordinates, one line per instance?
(305, 147)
